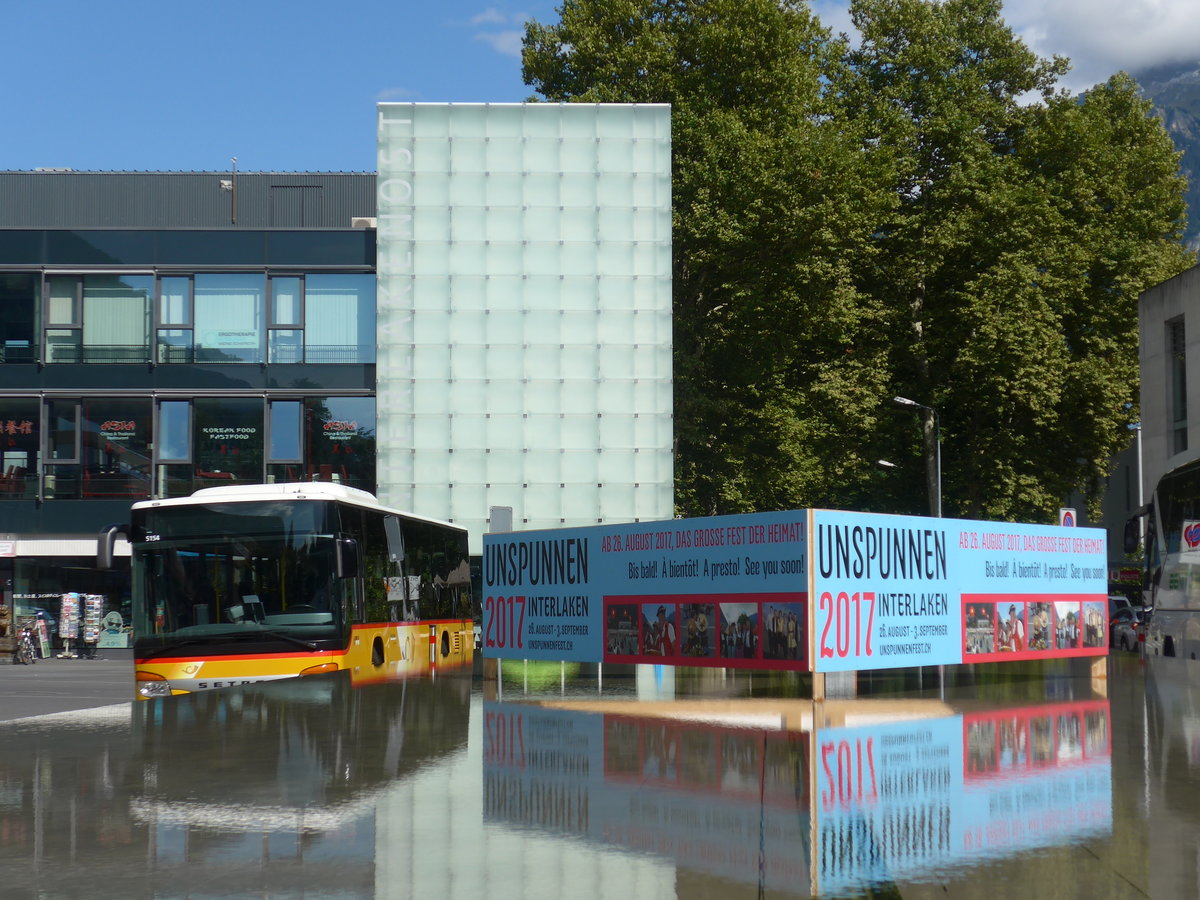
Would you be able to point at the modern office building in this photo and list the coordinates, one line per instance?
(163, 332)
(1169, 326)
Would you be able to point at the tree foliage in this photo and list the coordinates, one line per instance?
(896, 216)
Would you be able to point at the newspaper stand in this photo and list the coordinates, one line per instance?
(68, 623)
(93, 613)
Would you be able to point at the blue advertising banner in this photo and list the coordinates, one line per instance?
(725, 591)
(823, 590)
(896, 591)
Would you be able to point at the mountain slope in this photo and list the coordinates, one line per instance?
(1174, 90)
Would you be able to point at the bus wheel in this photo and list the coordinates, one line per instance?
(377, 652)
(445, 643)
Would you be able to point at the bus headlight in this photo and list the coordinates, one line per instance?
(320, 670)
(151, 685)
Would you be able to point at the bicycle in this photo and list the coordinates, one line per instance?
(25, 654)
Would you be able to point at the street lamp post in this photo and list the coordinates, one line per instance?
(933, 452)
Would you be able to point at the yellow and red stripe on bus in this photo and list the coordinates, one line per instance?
(377, 652)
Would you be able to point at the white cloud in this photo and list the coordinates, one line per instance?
(1104, 36)
(1100, 37)
(490, 16)
(506, 42)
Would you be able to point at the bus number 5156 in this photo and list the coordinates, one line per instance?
(505, 621)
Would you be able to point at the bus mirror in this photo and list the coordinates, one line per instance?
(395, 538)
(105, 543)
(347, 558)
(1133, 534)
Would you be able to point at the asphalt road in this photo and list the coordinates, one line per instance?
(61, 685)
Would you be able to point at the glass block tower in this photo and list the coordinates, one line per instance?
(524, 312)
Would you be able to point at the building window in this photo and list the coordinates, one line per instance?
(20, 447)
(284, 455)
(339, 438)
(62, 480)
(98, 318)
(174, 342)
(19, 295)
(116, 448)
(1177, 381)
(201, 318)
(116, 318)
(228, 439)
(64, 337)
(174, 473)
(339, 319)
(229, 318)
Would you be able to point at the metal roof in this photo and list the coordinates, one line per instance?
(67, 199)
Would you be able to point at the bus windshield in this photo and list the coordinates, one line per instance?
(233, 571)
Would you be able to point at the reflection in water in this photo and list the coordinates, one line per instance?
(311, 788)
(1173, 774)
(269, 790)
(827, 812)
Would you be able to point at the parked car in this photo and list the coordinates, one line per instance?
(1125, 628)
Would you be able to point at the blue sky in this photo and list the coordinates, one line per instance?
(135, 85)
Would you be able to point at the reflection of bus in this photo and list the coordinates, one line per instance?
(1172, 553)
(249, 583)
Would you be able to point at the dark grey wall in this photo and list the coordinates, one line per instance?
(184, 199)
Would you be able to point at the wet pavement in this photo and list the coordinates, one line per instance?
(59, 685)
(1011, 781)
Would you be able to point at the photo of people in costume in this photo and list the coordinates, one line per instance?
(1094, 631)
(1011, 634)
(739, 630)
(1066, 624)
(699, 629)
(784, 631)
(659, 635)
(1041, 626)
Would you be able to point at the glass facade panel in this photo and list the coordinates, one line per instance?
(285, 431)
(228, 441)
(339, 440)
(573, 202)
(174, 480)
(99, 248)
(19, 294)
(20, 447)
(63, 305)
(175, 430)
(63, 345)
(285, 301)
(116, 318)
(174, 346)
(229, 318)
(116, 448)
(62, 421)
(285, 345)
(175, 301)
(339, 318)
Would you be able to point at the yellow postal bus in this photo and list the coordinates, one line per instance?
(235, 585)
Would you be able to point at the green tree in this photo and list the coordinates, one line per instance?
(777, 366)
(852, 223)
(1021, 236)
